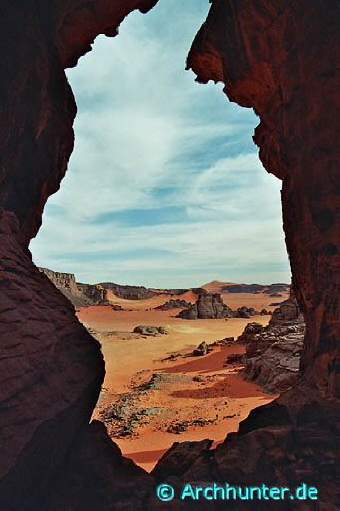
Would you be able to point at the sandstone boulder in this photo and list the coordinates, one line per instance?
(245, 312)
(249, 331)
(173, 304)
(202, 349)
(208, 306)
(149, 330)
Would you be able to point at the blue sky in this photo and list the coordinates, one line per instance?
(164, 187)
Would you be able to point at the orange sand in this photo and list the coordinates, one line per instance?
(150, 303)
(132, 359)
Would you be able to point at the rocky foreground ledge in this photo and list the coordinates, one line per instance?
(273, 352)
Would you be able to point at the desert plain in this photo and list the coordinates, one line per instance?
(155, 391)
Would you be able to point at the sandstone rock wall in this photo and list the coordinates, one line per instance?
(51, 374)
(273, 352)
(255, 288)
(94, 294)
(63, 281)
(278, 60)
(81, 294)
(276, 57)
(128, 292)
(78, 294)
(51, 368)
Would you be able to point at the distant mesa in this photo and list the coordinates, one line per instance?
(227, 287)
(78, 294)
(256, 288)
(95, 294)
(105, 293)
(208, 302)
(174, 292)
(128, 292)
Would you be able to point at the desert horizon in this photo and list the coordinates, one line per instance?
(174, 368)
(213, 285)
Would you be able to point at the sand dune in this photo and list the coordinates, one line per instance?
(150, 303)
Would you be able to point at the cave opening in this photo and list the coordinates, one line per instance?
(273, 57)
(163, 178)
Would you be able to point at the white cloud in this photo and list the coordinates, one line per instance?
(143, 123)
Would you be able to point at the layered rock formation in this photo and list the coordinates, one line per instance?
(278, 77)
(65, 282)
(273, 357)
(78, 294)
(94, 294)
(255, 288)
(273, 352)
(276, 57)
(129, 292)
(98, 294)
(208, 306)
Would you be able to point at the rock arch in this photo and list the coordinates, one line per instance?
(278, 58)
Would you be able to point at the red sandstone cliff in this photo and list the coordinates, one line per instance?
(51, 368)
(280, 60)
(277, 57)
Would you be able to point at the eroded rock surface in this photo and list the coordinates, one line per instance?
(78, 294)
(179, 458)
(287, 77)
(128, 292)
(208, 306)
(173, 304)
(97, 476)
(51, 368)
(51, 375)
(276, 57)
(273, 352)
